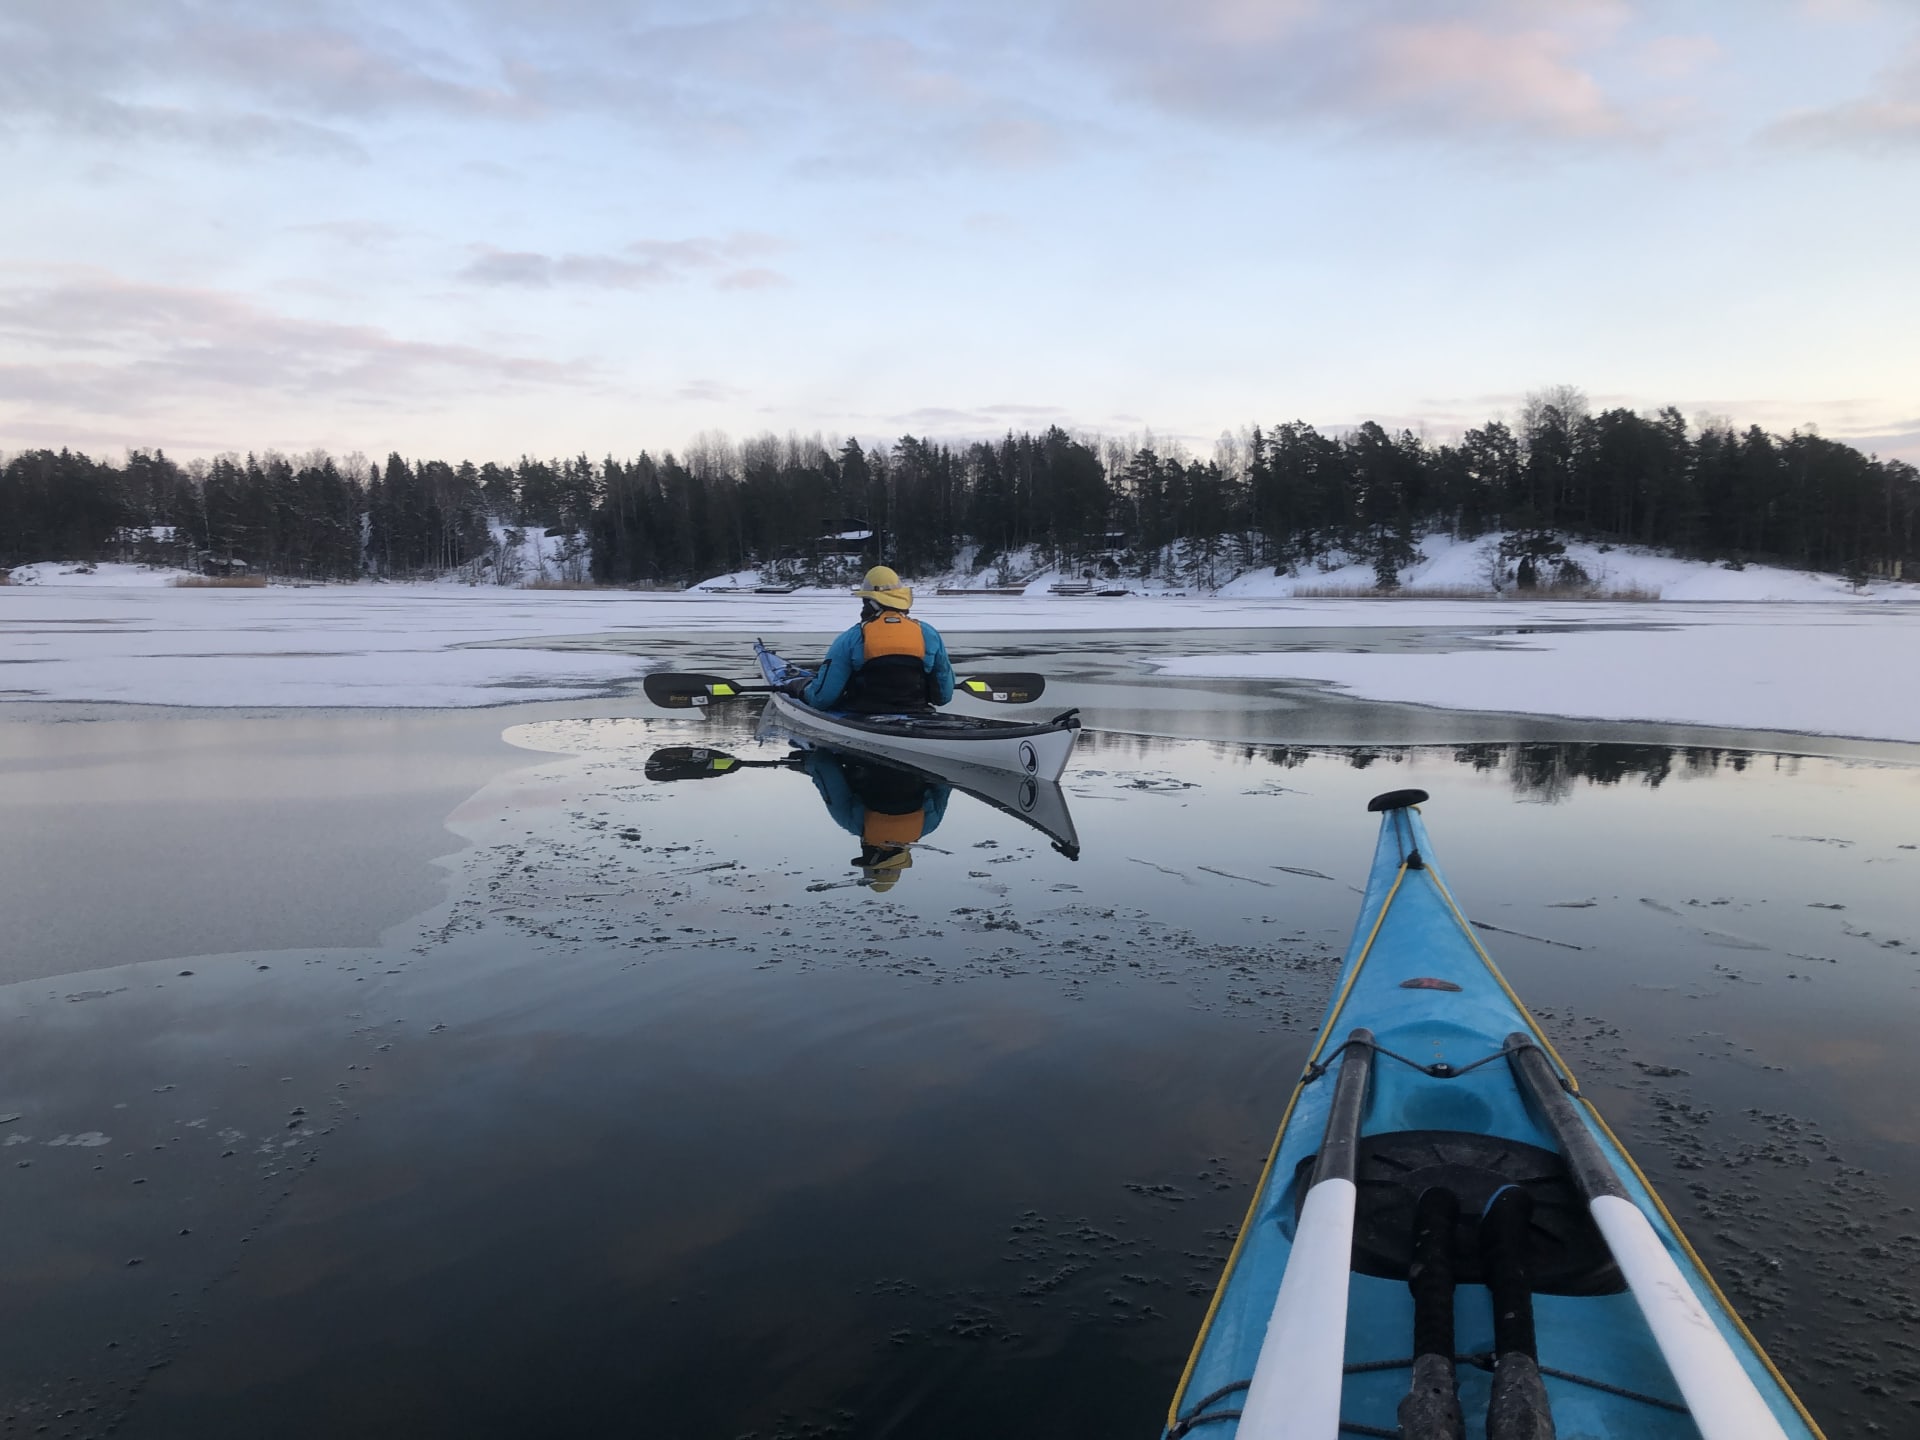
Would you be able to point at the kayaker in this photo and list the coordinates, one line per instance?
(888, 808)
(888, 664)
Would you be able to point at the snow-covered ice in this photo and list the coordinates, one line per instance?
(1807, 670)
(350, 645)
(1832, 668)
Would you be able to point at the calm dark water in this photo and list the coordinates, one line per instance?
(665, 1123)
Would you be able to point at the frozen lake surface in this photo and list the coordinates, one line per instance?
(1836, 668)
(436, 1073)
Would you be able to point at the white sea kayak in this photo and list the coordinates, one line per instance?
(1040, 750)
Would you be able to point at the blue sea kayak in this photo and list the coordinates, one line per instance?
(1448, 1241)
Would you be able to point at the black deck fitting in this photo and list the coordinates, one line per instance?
(1396, 800)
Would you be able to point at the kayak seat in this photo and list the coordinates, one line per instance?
(1568, 1256)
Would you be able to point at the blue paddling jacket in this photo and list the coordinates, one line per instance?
(881, 804)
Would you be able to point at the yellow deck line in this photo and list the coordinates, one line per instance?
(1686, 1245)
(1259, 1190)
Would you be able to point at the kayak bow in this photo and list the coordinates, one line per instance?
(1448, 1240)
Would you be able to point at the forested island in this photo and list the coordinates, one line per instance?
(1290, 497)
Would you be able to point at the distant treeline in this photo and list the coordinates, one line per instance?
(1286, 497)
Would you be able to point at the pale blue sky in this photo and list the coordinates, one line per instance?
(480, 227)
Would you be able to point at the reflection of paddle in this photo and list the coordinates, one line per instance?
(678, 690)
(697, 762)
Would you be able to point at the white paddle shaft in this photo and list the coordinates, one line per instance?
(1717, 1388)
(1295, 1394)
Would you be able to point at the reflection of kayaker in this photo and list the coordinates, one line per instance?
(888, 808)
(1040, 803)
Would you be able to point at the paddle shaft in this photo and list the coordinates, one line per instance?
(1295, 1391)
(1725, 1403)
(674, 690)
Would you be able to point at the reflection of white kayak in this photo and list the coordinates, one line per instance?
(1041, 803)
(1037, 750)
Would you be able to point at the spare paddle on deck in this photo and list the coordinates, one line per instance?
(677, 690)
(1295, 1390)
(1719, 1392)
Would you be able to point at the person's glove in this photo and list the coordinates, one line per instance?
(797, 686)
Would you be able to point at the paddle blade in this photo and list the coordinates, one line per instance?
(1013, 687)
(689, 762)
(675, 690)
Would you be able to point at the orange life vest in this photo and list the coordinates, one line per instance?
(879, 828)
(893, 633)
(893, 667)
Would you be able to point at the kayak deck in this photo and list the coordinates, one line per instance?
(1447, 1105)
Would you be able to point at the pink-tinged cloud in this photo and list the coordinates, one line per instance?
(1496, 69)
(1888, 118)
(1460, 74)
(89, 343)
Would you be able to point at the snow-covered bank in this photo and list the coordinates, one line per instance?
(1467, 567)
(1849, 673)
(1447, 568)
(112, 574)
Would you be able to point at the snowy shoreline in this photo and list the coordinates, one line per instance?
(1445, 568)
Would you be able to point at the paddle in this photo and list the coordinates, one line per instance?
(697, 762)
(682, 690)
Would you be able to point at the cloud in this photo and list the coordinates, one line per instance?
(709, 392)
(752, 278)
(1467, 77)
(1887, 118)
(356, 234)
(253, 76)
(1890, 439)
(1677, 57)
(1029, 411)
(1461, 68)
(981, 421)
(642, 263)
(92, 343)
(323, 76)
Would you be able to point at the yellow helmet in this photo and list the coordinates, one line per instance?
(880, 866)
(883, 587)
